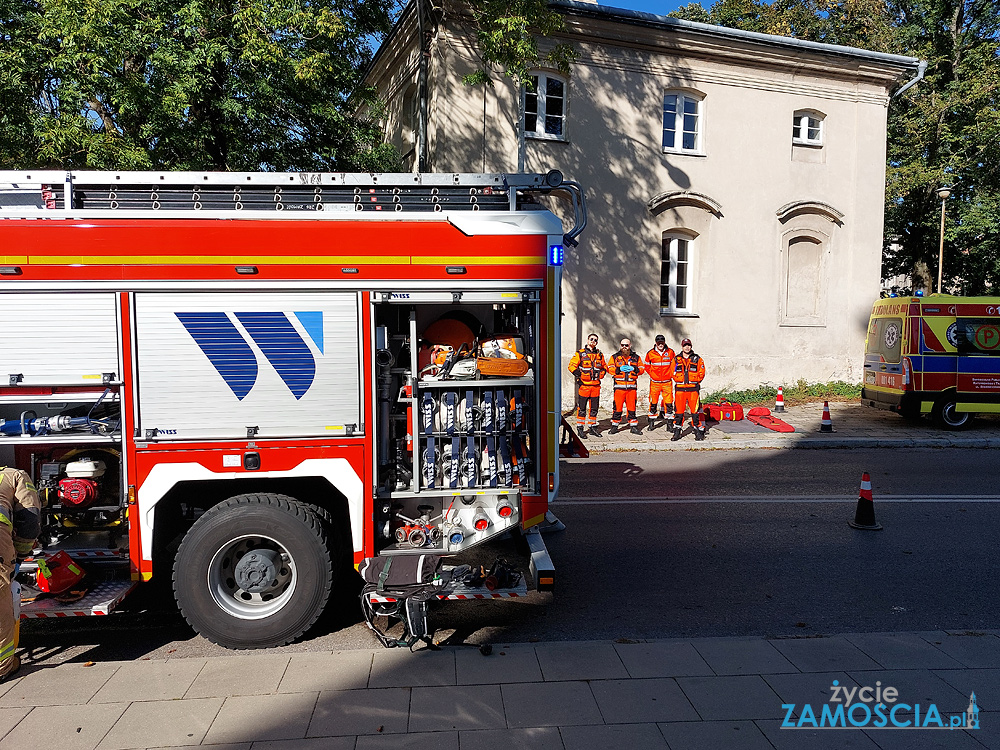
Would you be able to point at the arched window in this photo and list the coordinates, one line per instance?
(545, 107)
(807, 127)
(683, 122)
(676, 261)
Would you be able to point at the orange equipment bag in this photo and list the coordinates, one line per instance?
(724, 411)
(502, 356)
(57, 573)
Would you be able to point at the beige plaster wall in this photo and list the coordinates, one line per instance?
(750, 170)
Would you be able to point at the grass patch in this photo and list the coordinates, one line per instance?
(801, 392)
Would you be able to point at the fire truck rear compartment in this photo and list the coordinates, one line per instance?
(455, 445)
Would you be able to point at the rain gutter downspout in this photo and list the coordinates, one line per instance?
(921, 67)
(421, 90)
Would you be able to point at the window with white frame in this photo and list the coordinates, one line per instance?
(545, 107)
(675, 274)
(807, 128)
(682, 122)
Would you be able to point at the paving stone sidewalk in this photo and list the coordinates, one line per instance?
(854, 425)
(711, 693)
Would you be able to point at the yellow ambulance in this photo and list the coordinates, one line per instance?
(937, 355)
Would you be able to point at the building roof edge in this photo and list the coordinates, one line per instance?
(665, 22)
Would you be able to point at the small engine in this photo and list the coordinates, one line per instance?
(80, 488)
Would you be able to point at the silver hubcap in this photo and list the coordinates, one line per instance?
(252, 577)
(952, 417)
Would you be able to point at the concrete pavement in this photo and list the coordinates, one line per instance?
(683, 694)
(855, 426)
(710, 693)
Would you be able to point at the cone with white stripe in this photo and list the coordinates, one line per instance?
(826, 424)
(779, 401)
(864, 516)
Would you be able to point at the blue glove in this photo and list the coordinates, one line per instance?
(626, 368)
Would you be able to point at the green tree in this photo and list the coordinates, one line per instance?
(945, 131)
(189, 84)
(507, 34)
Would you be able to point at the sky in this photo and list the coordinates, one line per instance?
(659, 7)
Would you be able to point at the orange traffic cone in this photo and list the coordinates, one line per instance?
(864, 516)
(826, 424)
(779, 401)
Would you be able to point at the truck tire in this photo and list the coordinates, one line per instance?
(255, 571)
(945, 416)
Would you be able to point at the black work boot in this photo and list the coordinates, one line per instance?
(614, 429)
(677, 433)
(699, 433)
(581, 432)
(635, 430)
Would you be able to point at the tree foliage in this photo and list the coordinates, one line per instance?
(507, 33)
(943, 131)
(188, 84)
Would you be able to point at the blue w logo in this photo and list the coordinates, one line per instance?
(273, 332)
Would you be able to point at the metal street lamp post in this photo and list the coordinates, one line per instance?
(943, 194)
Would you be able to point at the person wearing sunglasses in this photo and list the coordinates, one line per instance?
(626, 367)
(689, 371)
(588, 366)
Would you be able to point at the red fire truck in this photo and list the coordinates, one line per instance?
(248, 382)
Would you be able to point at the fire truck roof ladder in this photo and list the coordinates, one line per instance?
(35, 194)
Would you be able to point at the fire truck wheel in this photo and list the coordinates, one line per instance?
(947, 418)
(255, 571)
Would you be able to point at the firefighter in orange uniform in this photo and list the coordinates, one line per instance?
(689, 371)
(660, 368)
(625, 368)
(588, 366)
(20, 525)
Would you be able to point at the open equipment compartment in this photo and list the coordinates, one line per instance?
(458, 417)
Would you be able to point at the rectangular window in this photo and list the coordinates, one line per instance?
(675, 275)
(807, 129)
(545, 107)
(681, 114)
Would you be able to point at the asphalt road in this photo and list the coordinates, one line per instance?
(691, 544)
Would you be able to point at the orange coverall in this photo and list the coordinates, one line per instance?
(660, 368)
(589, 367)
(626, 386)
(688, 374)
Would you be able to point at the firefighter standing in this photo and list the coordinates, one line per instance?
(588, 366)
(625, 368)
(20, 525)
(689, 371)
(660, 368)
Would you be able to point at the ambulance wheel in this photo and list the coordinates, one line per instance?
(947, 418)
(255, 571)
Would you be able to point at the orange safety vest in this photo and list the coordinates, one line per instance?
(626, 381)
(588, 366)
(688, 372)
(660, 365)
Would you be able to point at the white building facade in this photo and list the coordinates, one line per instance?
(735, 181)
